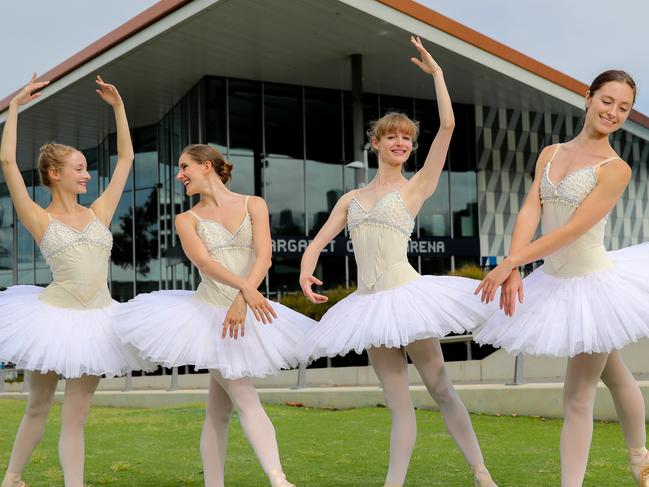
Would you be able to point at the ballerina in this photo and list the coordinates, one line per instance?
(395, 310)
(226, 326)
(66, 328)
(583, 303)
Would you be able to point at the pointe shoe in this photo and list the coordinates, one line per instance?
(640, 471)
(482, 478)
(278, 479)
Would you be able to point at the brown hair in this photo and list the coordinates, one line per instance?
(51, 157)
(612, 75)
(204, 152)
(393, 122)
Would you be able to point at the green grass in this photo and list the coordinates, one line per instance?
(319, 448)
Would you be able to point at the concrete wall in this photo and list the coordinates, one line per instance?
(496, 368)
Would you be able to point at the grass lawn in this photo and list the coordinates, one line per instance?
(319, 448)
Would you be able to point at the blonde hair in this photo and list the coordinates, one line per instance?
(391, 123)
(202, 152)
(52, 156)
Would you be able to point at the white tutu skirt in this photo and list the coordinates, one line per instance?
(562, 317)
(426, 307)
(71, 342)
(174, 329)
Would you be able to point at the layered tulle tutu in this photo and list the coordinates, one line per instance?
(174, 328)
(40, 337)
(426, 307)
(562, 317)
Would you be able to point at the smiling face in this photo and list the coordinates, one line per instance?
(393, 148)
(609, 106)
(71, 175)
(192, 174)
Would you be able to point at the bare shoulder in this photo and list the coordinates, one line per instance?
(257, 203)
(617, 171)
(546, 154)
(184, 218)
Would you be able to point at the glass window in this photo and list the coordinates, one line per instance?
(324, 153)
(146, 240)
(244, 146)
(6, 237)
(122, 255)
(146, 157)
(434, 216)
(464, 190)
(284, 165)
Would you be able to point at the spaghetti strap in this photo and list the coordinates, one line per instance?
(554, 153)
(245, 204)
(93, 214)
(198, 218)
(49, 216)
(605, 161)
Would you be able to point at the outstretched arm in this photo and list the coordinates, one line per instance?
(423, 184)
(613, 179)
(105, 206)
(30, 214)
(332, 227)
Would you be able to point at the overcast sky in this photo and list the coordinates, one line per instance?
(578, 37)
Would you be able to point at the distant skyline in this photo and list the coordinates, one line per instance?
(587, 37)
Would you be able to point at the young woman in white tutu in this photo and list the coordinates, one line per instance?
(226, 326)
(66, 328)
(395, 310)
(583, 303)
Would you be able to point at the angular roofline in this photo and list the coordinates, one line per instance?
(409, 7)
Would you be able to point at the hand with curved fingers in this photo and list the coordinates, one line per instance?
(259, 305)
(29, 92)
(305, 283)
(492, 281)
(427, 64)
(235, 319)
(108, 92)
(512, 288)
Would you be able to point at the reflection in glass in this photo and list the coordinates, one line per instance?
(122, 275)
(283, 174)
(146, 240)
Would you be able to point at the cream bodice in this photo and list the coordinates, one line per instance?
(380, 238)
(232, 250)
(587, 253)
(79, 263)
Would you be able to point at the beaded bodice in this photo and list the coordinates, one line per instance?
(572, 189)
(58, 237)
(79, 263)
(380, 238)
(587, 253)
(388, 210)
(216, 237)
(233, 250)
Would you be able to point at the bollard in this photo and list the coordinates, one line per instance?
(174, 379)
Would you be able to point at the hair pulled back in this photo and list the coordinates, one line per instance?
(203, 152)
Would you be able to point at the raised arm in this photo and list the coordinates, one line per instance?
(423, 184)
(197, 253)
(30, 214)
(105, 206)
(613, 180)
(332, 227)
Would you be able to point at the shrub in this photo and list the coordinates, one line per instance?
(472, 271)
(299, 303)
